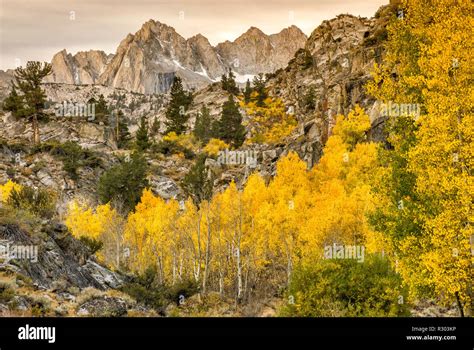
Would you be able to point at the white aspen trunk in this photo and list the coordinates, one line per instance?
(199, 255)
(239, 275)
(208, 253)
(160, 269)
(239, 262)
(180, 275)
(246, 276)
(221, 282)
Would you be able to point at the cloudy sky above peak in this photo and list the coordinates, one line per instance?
(37, 29)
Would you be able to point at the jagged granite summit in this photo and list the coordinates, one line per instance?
(85, 67)
(147, 61)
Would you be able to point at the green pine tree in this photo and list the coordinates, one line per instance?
(176, 112)
(124, 183)
(28, 82)
(232, 87)
(259, 87)
(229, 84)
(14, 103)
(123, 134)
(101, 110)
(230, 128)
(155, 127)
(224, 82)
(247, 92)
(142, 139)
(202, 128)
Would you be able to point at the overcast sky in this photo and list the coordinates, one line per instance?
(37, 29)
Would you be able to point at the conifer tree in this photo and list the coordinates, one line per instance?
(101, 109)
(155, 127)
(230, 128)
(196, 183)
(123, 134)
(142, 139)
(176, 113)
(259, 88)
(124, 183)
(224, 82)
(232, 87)
(14, 103)
(28, 81)
(203, 126)
(229, 84)
(247, 92)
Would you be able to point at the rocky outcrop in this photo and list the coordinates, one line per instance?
(55, 257)
(85, 67)
(255, 52)
(334, 66)
(103, 306)
(165, 187)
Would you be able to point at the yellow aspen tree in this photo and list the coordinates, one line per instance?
(290, 193)
(429, 63)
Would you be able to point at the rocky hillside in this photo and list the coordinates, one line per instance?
(334, 67)
(59, 277)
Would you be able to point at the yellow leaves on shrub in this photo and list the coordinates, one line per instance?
(214, 146)
(187, 141)
(6, 190)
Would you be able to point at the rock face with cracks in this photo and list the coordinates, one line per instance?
(55, 257)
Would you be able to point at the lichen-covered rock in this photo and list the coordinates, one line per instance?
(103, 306)
(165, 187)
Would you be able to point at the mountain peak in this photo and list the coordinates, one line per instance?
(292, 28)
(152, 28)
(254, 31)
(198, 37)
(148, 60)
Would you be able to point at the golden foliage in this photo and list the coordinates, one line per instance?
(6, 190)
(214, 146)
(270, 123)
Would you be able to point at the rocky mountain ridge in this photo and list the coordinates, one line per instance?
(147, 61)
